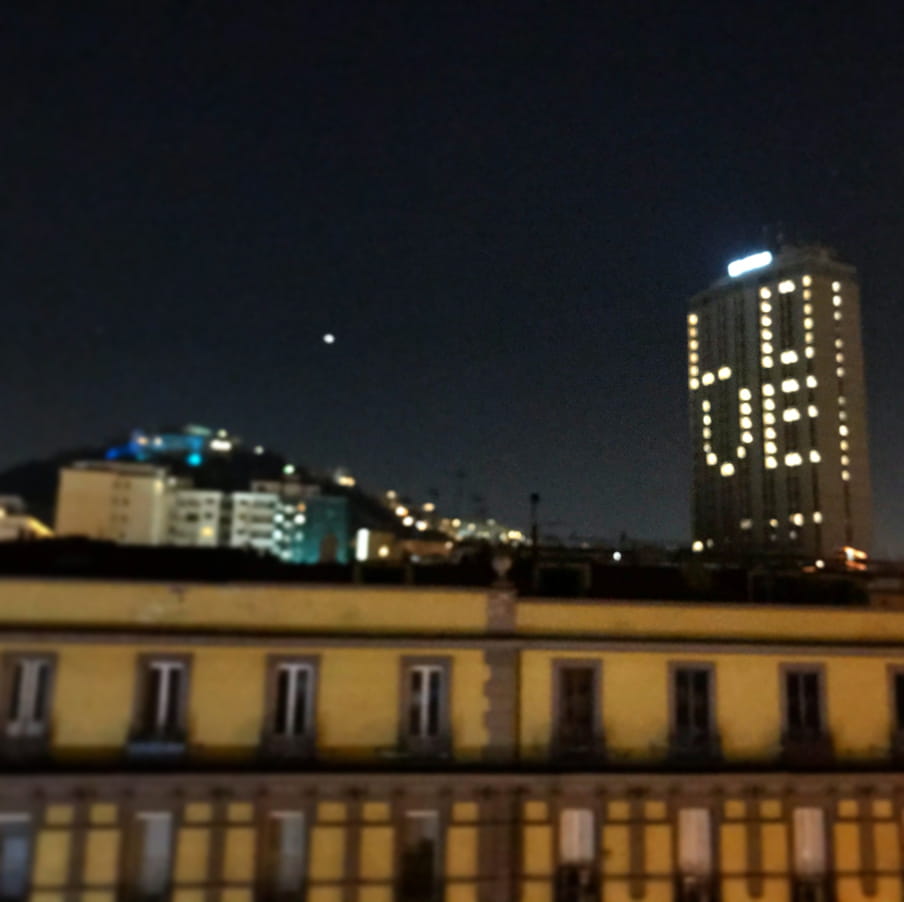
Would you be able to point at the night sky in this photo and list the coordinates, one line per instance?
(499, 209)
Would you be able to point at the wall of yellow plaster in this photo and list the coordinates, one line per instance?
(51, 863)
(241, 607)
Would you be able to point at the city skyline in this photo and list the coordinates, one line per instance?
(499, 219)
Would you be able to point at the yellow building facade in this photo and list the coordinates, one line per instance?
(228, 742)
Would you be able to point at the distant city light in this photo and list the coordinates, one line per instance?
(746, 264)
(616, 556)
(408, 521)
(194, 459)
(329, 338)
(288, 469)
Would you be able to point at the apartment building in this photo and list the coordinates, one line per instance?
(188, 741)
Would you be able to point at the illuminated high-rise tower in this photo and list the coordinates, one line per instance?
(778, 407)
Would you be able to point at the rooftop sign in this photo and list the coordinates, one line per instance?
(745, 264)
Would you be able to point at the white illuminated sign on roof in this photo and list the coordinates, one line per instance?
(745, 264)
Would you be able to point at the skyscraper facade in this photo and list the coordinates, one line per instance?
(778, 407)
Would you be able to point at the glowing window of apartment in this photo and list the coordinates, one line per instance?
(285, 853)
(768, 389)
(809, 845)
(162, 697)
(695, 850)
(15, 856)
(154, 854)
(28, 680)
(836, 286)
(420, 857)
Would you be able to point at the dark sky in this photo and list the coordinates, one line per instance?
(499, 209)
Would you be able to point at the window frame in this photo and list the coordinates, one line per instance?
(681, 742)
(269, 863)
(439, 853)
(798, 743)
(11, 734)
(896, 731)
(303, 743)
(557, 742)
(147, 734)
(26, 819)
(441, 743)
(135, 850)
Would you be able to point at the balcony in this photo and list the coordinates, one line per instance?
(25, 741)
(807, 748)
(690, 747)
(287, 747)
(578, 747)
(157, 745)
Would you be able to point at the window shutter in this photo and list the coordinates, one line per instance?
(576, 835)
(695, 857)
(809, 842)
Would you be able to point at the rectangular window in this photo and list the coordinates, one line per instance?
(163, 697)
(420, 857)
(898, 700)
(286, 854)
(695, 855)
(15, 857)
(576, 717)
(425, 694)
(155, 854)
(28, 709)
(803, 697)
(576, 874)
(294, 697)
(810, 855)
(692, 704)
(426, 687)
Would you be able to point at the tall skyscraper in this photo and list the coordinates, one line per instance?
(778, 407)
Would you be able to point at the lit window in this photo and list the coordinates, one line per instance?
(692, 319)
(746, 423)
(767, 347)
(707, 432)
(767, 362)
(707, 447)
(746, 524)
(724, 372)
(765, 292)
(768, 389)
(791, 414)
(769, 418)
(817, 517)
(840, 372)
(694, 371)
(797, 519)
(785, 287)
(839, 343)
(693, 384)
(790, 385)
(807, 294)
(812, 410)
(694, 358)
(808, 323)
(708, 379)
(746, 437)
(693, 345)
(727, 469)
(843, 445)
(773, 523)
(814, 457)
(811, 381)
(839, 357)
(697, 546)
(771, 463)
(845, 475)
(808, 351)
(837, 316)
(841, 401)
(770, 448)
(808, 309)
(746, 409)
(707, 420)
(845, 460)
(742, 451)
(789, 357)
(842, 429)
(836, 300)
(744, 394)
(706, 404)
(808, 337)
(768, 404)
(765, 321)
(842, 415)
(836, 286)
(769, 433)
(766, 335)
(793, 459)
(711, 459)
(807, 281)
